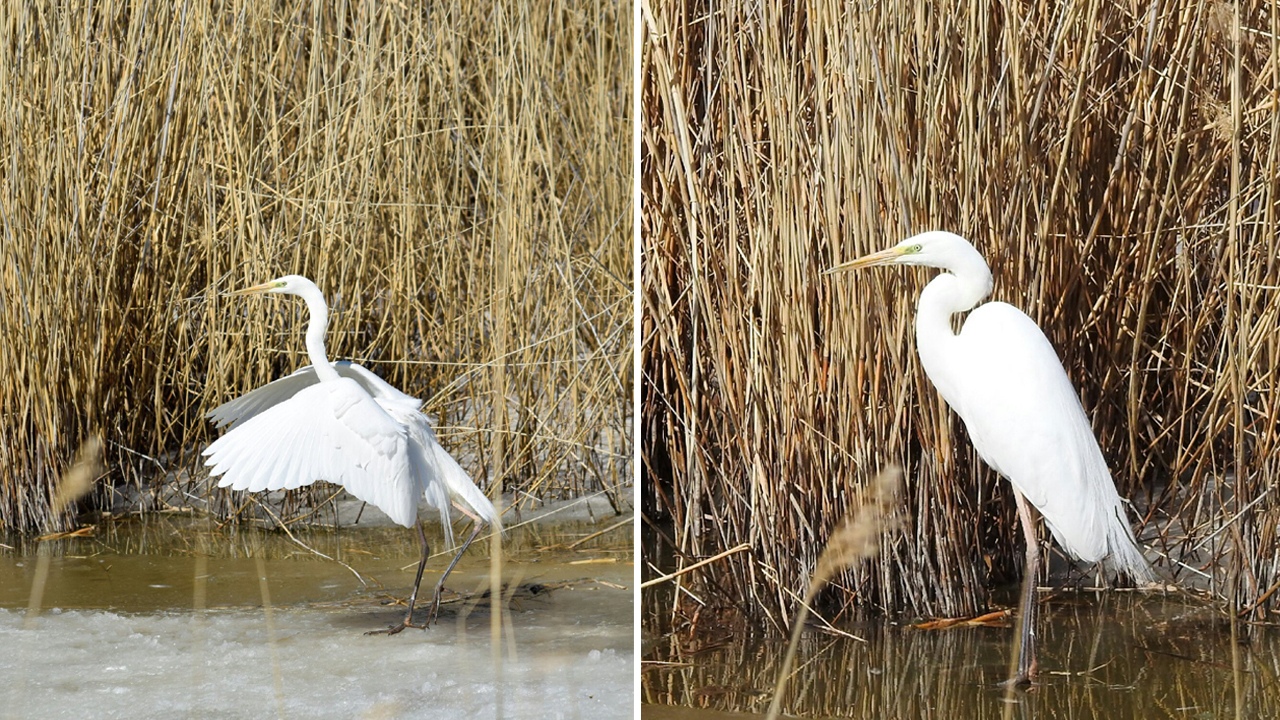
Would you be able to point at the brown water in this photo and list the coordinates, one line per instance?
(1118, 655)
(175, 617)
(164, 563)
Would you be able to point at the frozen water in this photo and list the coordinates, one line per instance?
(174, 622)
(299, 663)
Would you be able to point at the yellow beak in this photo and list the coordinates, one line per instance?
(884, 257)
(264, 287)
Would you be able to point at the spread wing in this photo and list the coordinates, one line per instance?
(241, 409)
(295, 431)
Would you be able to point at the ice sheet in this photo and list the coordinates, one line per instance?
(302, 663)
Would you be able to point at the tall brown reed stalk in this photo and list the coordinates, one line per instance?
(454, 176)
(1116, 166)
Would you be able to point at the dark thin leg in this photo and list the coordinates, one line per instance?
(435, 601)
(1027, 666)
(413, 597)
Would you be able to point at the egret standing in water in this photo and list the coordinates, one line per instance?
(1004, 380)
(342, 423)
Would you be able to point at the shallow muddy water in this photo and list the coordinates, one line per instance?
(1120, 655)
(174, 618)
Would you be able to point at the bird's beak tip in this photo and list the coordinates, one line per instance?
(249, 290)
(850, 265)
(879, 258)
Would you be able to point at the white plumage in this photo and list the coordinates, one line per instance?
(1002, 377)
(1026, 422)
(341, 423)
(415, 466)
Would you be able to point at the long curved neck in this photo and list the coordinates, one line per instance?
(315, 333)
(962, 288)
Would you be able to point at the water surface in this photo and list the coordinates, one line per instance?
(172, 617)
(1115, 655)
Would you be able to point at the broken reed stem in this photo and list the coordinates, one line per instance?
(701, 563)
(621, 523)
(303, 545)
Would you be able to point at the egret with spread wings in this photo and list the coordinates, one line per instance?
(342, 423)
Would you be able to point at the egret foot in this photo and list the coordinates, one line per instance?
(417, 582)
(398, 627)
(1021, 681)
(435, 606)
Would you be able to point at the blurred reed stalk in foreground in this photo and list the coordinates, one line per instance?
(855, 539)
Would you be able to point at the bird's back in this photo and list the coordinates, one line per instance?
(1025, 419)
(238, 410)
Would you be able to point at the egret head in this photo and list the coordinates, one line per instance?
(936, 248)
(287, 284)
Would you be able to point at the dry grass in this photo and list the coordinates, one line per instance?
(1116, 166)
(456, 178)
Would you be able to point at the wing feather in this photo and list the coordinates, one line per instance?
(1026, 421)
(241, 409)
(445, 471)
(331, 431)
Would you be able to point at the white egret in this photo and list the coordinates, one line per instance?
(1004, 380)
(341, 423)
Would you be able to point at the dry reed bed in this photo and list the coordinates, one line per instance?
(1116, 166)
(456, 178)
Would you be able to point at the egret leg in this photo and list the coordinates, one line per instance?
(1027, 666)
(413, 597)
(435, 601)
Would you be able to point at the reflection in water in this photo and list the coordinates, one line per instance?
(1113, 656)
(180, 534)
(176, 562)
